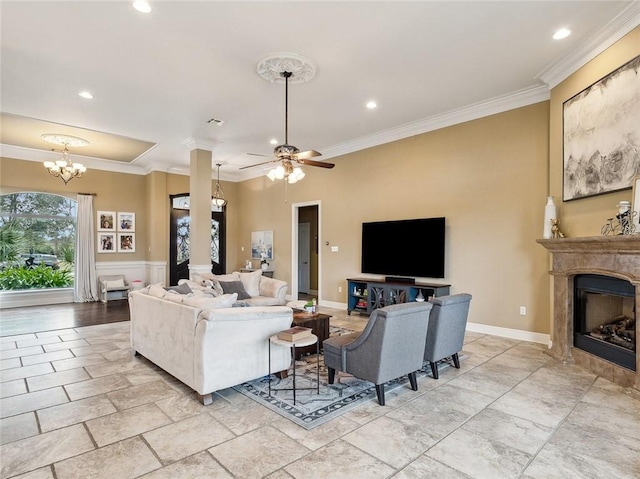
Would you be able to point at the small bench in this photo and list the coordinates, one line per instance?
(112, 286)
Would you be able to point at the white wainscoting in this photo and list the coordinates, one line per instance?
(148, 271)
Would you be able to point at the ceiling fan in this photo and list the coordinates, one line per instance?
(288, 155)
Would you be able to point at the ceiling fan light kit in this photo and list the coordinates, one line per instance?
(64, 168)
(288, 68)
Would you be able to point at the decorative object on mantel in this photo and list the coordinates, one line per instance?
(64, 168)
(555, 229)
(601, 140)
(635, 206)
(623, 223)
(550, 213)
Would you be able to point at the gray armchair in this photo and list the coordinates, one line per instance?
(391, 345)
(447, 325)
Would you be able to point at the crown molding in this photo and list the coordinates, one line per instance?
(623, 23)
(199, 144)
(528, 96)
(31, 154)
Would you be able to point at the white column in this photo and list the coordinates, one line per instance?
(200, 175)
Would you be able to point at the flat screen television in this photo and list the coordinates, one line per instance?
(404, 247)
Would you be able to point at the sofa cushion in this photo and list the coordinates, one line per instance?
(180, 289)
(235, 276)
(251, 282)
(224, 301)
(237, 287)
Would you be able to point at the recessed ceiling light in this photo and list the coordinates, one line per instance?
(142, 6)
(86, 94)
(273, 141)
(371, 105)
(562, 33)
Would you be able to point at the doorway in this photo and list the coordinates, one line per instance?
(305, 276)
(179, 239)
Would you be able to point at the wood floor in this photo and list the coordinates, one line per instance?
(34, 319)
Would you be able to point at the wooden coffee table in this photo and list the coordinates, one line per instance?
(319, 324)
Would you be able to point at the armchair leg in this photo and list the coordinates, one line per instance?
(456, 360)
(434, 369)
(331, 373)
(380, 393)
(413, 381)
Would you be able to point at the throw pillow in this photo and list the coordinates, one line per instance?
(180, 289)
(235, 276)
(157, 290)
(230, 287)
(118, 283)
(174, 297)
(251, 282)
(224, 301)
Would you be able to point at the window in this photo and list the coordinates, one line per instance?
(38, 229)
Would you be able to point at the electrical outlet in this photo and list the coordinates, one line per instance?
(523, 310)
(339, 289)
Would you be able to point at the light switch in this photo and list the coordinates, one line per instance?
(334, 249)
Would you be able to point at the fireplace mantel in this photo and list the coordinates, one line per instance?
(616, 256)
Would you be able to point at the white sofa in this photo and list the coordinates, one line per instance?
(207, 345)
(264, 291)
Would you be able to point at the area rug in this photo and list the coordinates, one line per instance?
(312, 409)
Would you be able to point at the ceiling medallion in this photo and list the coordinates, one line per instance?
(64, 168)
(64, 140)
(271, 67)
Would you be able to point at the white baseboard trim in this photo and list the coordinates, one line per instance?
(510, 333)
(35, 297)
(480, 328)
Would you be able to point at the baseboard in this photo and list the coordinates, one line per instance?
(480, 328)
(31, 297)
(510, 333)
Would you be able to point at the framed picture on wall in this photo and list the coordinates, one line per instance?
(262, 245)
(126, 221)
(635, 204)
(126, 242)
(601, 138)
(106, 242)
(106, 220)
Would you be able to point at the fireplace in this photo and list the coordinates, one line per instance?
(595, 284)
(604, 318)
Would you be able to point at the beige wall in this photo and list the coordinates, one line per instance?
(487, 177)
(114, 192)
(585, 217)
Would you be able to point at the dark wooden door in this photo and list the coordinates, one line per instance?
(179, 243)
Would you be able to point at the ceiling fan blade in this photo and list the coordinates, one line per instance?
(303, 155)
(259, 154)
(321, 164)
(257, 164)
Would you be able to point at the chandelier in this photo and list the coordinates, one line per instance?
(64, 168)
(218, 196)
(286, 171)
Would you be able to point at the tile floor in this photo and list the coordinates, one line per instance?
(75, 404)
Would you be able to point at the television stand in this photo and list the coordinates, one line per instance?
(364, 295)
(399, 279)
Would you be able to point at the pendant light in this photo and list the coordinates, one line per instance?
(218, 195)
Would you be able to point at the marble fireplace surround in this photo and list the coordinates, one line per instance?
(616, 256)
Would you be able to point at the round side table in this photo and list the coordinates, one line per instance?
(306, 341)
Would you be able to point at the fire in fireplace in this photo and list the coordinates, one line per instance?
(604, 318)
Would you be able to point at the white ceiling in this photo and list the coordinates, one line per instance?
(160, 77)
